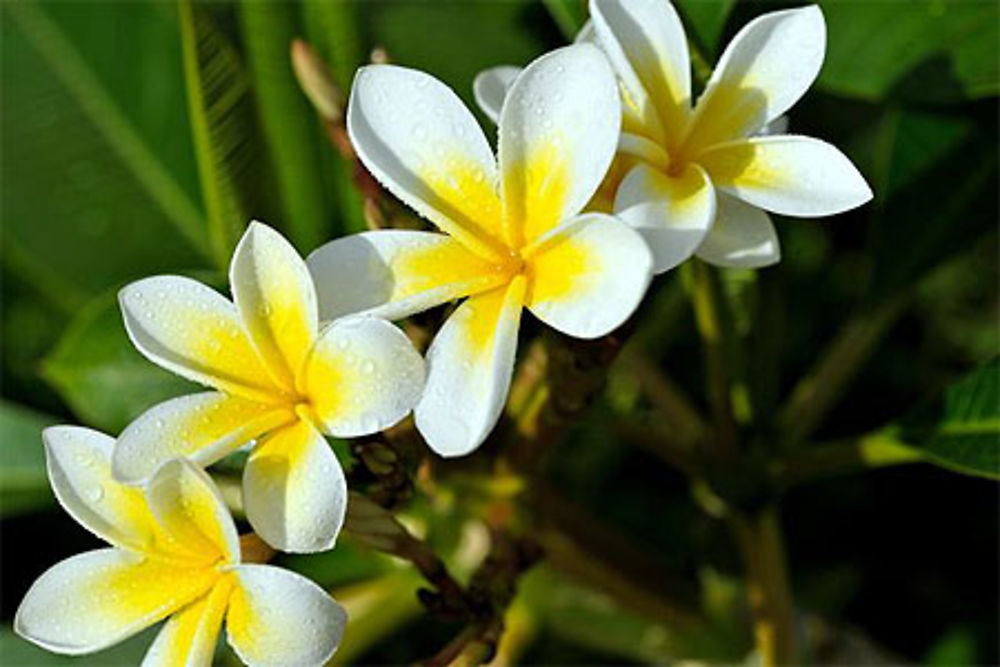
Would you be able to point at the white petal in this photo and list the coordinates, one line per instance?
(742, 236)
(202, 427)
(589, 276)
(586, 34)
(364, 376)
(645, 41)
(767, 67)
(673, 213)
(79, 466)
(189, 506)
(189, 637)
(418, 139)
(294, 490)
(777, 126)
(192, 330)
(787, 174)
(98, 598)
(277, 617)
(558, 134)
(490, 88)
(276, 299)
(396, 273)
(469, 364)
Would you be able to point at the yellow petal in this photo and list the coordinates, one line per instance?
(294, 490)
(469, 370)
(364, 375)
(589, 276)
(394, 273)
(202, 427)
(189, 636)
(277, 617)
(192, 330)
(98, 598)
(274, 293)
(187, 504)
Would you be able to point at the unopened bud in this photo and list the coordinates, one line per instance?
(379, 56)
(316, 81)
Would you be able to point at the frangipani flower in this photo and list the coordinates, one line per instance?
(175, 553)
(279, 379)
(513, 237)
(699, 180)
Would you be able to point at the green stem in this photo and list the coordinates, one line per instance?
(818, 391)
(769, 592)
(705, 297)
(872, 451)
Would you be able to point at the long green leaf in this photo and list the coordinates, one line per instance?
(960, 429)
(925, 50)
(289, 124)
(224, 127)
(90, 197)
(100, 375)
(24, 485)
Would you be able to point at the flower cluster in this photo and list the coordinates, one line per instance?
(605, 174)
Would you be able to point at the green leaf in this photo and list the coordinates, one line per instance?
(224, 127)
(98, 184)
(101, 376)
(706, 20)
(17, 651)
(288, 122)
(924, 50)
(24, 484)
(960, 430)
(943, 189)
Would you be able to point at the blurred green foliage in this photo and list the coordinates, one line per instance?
(139, 138)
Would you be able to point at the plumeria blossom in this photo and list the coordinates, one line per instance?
(698, 179)
(174, 554)
(279, 381)
(513, 236)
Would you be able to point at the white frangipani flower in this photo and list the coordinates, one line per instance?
(279, 378)
(513, 237)
(699, 180)
(175, 554)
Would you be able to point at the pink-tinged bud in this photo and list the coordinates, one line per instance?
(316, 81)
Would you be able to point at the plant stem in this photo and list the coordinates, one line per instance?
(769, 592)
(876, 450)
(818, 391)
(705, 299)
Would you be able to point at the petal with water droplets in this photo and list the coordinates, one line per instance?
(189, 636)
(98, 598)
(294, 490)
(364, 375)
(278, 617)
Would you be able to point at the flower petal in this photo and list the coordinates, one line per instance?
(470, 363)
(294, 490)
(645, 41)
(558, 133)
(395, 273)
(98, 598)
(276, 299)
(742, 236)
(189, 507)
(192, 330)
(673, 213)
(764, 70)
(189, 636)
(589, 276)
(787, 174)
(277, 617)
(202, 427)
(490, 88)
(363, 376)
(418, 139)
(79, 466)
